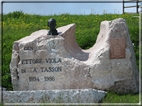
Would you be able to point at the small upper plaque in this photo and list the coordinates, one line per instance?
(117, 48)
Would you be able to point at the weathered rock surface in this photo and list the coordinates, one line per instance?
(115, 71)
(1, 89)
(41, 62)
(54, 96)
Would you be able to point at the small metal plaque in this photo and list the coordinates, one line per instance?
(117, 48)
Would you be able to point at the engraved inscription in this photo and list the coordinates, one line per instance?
(41, 69)
(51, 69)
(34, 72)
(23, 71)
(53, 60)
(37, 79)
(39, 61)
(31, 61)
(117, 48)
(51, 78)
(33, 79)
(28, 48)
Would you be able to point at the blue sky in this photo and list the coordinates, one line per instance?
(44, 8)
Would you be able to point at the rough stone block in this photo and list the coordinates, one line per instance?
(44, 62)
(54, 96)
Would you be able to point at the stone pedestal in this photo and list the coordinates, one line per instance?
(54, 96)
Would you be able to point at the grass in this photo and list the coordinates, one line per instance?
(17, 25)
(127, 98)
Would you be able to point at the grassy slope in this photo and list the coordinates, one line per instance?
(18, 25)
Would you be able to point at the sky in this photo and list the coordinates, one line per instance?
(51, 8)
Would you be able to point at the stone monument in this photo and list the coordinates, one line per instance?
(47, 62)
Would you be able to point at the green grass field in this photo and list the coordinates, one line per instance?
(17, 25)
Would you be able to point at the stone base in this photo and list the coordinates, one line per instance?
(54, 96)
